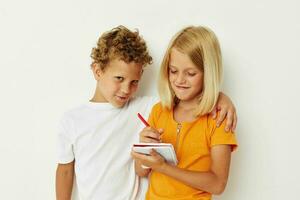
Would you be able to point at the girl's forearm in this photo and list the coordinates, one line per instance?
(207, 181)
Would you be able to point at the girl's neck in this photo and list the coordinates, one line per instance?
(184, 112)
(187, 105)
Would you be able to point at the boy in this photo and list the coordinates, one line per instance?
(95, 139)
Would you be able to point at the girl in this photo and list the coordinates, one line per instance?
(189, 86)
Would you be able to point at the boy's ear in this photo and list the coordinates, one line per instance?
(97, 71)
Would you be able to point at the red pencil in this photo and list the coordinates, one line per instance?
(143, 120)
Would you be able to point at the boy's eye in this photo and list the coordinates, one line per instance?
(135, 82)
(119, 78)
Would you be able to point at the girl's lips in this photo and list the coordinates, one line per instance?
(181, 87)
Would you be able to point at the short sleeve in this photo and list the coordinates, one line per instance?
(64, 143)
(155, 112)
(220, 136)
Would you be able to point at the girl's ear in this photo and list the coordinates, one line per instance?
(97, 71)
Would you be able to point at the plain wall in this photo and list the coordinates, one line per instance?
(44, 70)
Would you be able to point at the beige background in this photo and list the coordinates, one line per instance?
(44, 70)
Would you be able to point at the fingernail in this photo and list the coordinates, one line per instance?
(226, 129)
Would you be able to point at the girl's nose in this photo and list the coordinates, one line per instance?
(180, 79)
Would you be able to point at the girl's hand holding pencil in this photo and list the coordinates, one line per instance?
(149, 134)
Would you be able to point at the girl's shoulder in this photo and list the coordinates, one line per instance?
(211, 123)
(159, 108)
(159, 113)
(206, 121)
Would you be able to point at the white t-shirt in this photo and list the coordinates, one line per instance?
(99, 137)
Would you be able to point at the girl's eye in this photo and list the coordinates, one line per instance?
(172, 71)
(191, 74)
(119, 78)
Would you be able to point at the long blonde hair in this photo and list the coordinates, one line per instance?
(202, 47)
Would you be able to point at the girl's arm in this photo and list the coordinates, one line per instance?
(212, 181)
(227, 110)
(147, 135)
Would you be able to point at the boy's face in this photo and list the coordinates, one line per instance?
(117, 82)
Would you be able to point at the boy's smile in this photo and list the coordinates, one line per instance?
(117, 83)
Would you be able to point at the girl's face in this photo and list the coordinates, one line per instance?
(185, 77)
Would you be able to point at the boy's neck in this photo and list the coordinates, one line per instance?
(98, 97)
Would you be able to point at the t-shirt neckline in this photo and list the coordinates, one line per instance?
(101, 105)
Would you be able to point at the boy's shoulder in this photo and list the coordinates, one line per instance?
(141, 105)
(85, 109)
(74, 112)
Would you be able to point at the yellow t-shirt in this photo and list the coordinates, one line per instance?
(192, 142)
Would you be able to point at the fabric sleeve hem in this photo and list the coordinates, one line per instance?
(65, 161)
(233, 145)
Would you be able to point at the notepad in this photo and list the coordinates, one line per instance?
(166, 150)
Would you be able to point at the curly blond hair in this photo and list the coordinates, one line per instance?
(120, 43)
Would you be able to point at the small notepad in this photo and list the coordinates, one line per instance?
(166, 150)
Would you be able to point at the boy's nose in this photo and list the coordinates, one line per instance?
(125, 89)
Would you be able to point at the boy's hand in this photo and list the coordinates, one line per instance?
(150, 135)
(154, 161)
(227, 109)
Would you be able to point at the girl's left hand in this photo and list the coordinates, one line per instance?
(227, 110)
(155, 161)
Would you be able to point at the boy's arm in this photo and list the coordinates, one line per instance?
(227, 110)
(64, 181)
(212, 181)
